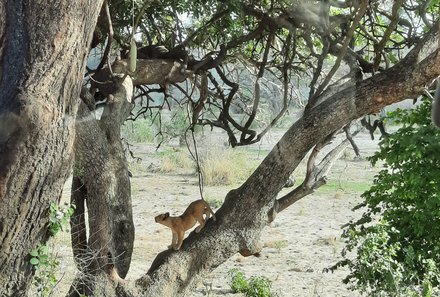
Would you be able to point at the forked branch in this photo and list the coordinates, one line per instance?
(316, 173)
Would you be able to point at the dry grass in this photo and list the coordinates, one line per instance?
(226, 166)
(172, 162)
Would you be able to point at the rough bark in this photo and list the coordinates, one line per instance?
(101, 180)
(38, 102)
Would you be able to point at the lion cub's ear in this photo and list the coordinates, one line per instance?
(166, 215)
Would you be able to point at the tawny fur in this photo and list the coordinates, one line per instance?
(194, 213)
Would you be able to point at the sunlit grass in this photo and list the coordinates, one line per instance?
(333, 186)
(138, 131)
(227, 166)
(175, 159)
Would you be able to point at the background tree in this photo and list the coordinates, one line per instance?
(358, 56)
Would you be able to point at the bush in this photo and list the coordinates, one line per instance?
(43, 259)
(397, 238)
(255, 286)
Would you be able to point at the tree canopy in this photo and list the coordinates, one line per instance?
(250, 53)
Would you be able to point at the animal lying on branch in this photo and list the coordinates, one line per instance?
(158, 52)
(194, 213)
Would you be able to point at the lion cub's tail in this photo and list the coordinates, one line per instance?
(209, 211)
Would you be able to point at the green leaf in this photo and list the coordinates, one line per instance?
(43, 249)
(34, 261)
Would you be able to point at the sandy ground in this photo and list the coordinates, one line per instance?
(302, 241)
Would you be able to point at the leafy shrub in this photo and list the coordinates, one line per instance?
(239, 283)
(255, 286)
(42, 259)
(397, 238)
(59, 217)
(46, 264)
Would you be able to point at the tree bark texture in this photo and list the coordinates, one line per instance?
(101, 180)
(245, 211)
(43, 50)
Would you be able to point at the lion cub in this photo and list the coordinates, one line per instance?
(194, 213)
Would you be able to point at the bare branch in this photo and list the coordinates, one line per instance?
(106, 55)
(316, 174)
(380, 46)
(349, 136)
(360, 13)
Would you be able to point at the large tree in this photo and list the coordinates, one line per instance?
(44, 47)
(358, 57)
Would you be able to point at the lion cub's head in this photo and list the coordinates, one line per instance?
(162, 217)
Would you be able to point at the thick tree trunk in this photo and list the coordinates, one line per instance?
(100, 177)
(102, 181)
(38, 102)
(37, 111)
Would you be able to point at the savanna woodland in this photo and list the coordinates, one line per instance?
(222, 62)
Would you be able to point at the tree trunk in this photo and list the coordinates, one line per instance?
(38, 103)
(38, 94)
(101, 179)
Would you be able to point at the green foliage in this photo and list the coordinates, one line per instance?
(59, 217)
(160, 128)
(46, 265)
(42, 258)
(397, 239)
(138, 131)
(255, 286)
(239, 283)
